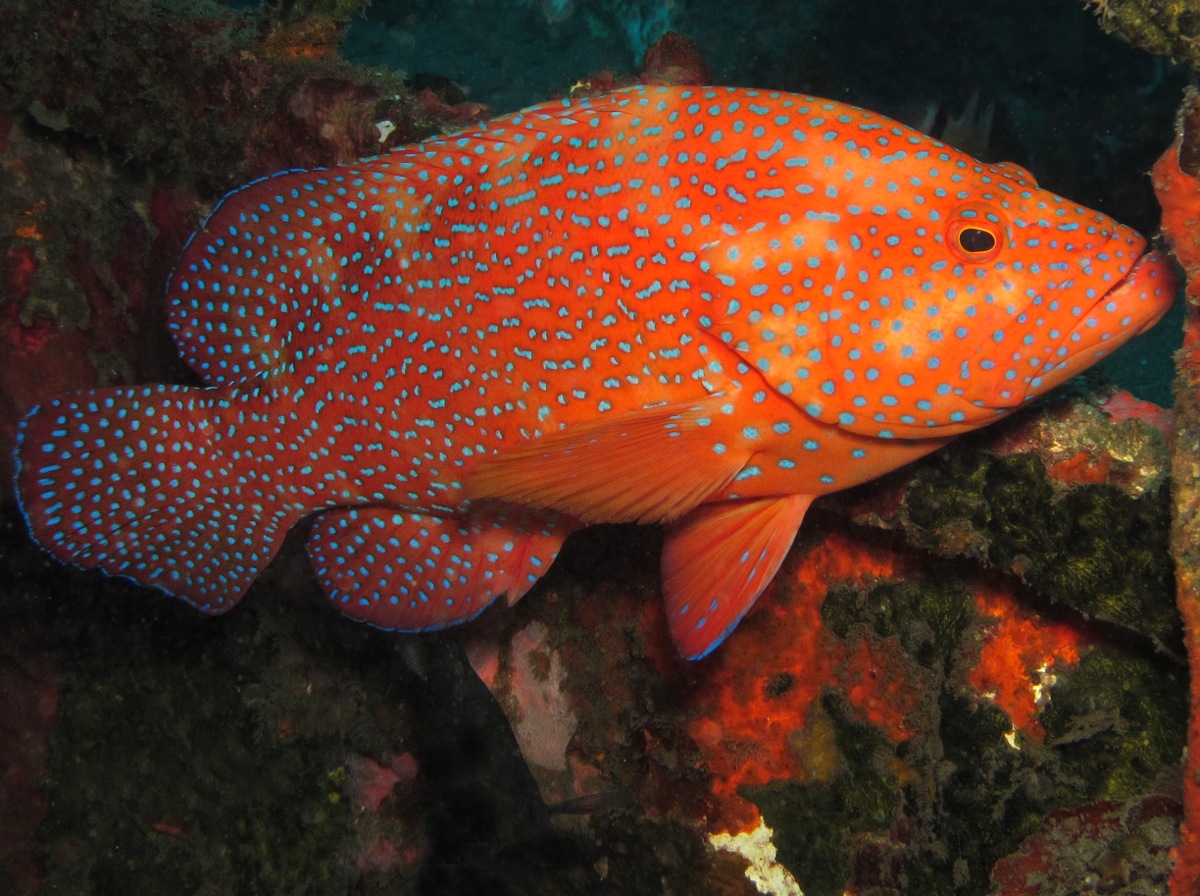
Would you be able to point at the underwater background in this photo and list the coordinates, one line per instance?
(970, 675)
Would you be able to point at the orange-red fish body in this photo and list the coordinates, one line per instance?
(704, 307)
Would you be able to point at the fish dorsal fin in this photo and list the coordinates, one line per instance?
(415, 572)
(647, 465)
(230, 305)
(271, 255)
(716, 562)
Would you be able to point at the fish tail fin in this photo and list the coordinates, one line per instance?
(126, 480)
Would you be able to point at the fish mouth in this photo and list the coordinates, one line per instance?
(1164, 268)
(1144, 294)
(1130, 307)
(1154, 273)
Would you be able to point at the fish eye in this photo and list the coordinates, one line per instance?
(975, 231)
(976, 240)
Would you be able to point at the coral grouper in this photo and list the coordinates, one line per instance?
(701, 307)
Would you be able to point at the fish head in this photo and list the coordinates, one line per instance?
(933, 296)
(1041, 289)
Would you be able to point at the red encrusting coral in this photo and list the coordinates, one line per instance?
(1121, 406)
(1104, 847)
(752, 705)
(1177, 185)
(1021, 652)
(672, 59)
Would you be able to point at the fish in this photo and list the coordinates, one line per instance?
(696, 307)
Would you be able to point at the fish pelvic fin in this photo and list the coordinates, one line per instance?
(718, 560)
(414, 572)
(126, 480)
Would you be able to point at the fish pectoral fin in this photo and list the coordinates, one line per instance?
(648, 465)
(415, 572)
(717, 561)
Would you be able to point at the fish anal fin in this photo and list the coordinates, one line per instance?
(413, 572)
(717, 561)
(648, 465)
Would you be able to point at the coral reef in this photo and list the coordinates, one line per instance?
(1097, 468)
(1161, 27)
(1112, 846)
(1177, 183)
(194, 91)
(960, 671)
(879, 709)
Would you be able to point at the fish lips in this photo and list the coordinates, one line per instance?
(1133, 305)
(1162, 272)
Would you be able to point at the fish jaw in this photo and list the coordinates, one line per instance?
(1132, 306)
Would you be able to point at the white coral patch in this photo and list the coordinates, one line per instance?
(757, 848)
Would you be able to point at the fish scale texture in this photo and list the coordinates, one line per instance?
(627, 307)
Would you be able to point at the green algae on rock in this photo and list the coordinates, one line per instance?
(1161, 27)
(1117, 719)
(1065, 498)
